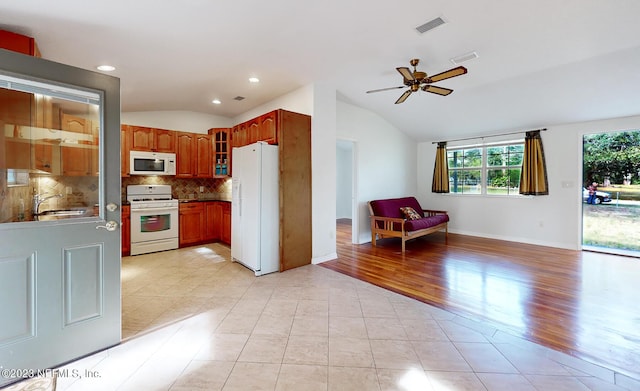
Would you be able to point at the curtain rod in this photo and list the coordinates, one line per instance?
(493, 135)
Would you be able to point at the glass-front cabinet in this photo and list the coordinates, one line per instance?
(222, 151)
(49, 150)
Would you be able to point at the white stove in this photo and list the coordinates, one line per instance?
(154, 218)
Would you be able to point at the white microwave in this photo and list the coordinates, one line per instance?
(152, 163)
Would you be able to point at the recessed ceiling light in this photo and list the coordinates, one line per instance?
(254, 80)
(216, 101)
(106, 68)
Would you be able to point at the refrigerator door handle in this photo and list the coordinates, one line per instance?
(239, 199)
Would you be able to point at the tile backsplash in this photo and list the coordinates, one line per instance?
(182, 188)
(16, 201)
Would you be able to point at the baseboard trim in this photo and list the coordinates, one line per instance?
(324, 258)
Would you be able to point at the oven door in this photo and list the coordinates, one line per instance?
(153, 224)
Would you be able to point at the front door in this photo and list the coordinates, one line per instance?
(59, 214)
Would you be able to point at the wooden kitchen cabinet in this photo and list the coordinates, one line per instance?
(125, 228)
(78, 160)
(205, 222)
(204, 156)
(262, 128)
(238, 135)
(152, 139)
(294, 154)
(194, 155)
(292, 133)
(213, 212)
(268, 127)
(43, 157)
(221, 151)
(225, 234)
(165, 140)
(125, 148)
(19, 43)
(27, 155)
(17, 153)
(252, 131)
(192, 223)
(75, 124)
(185, 157)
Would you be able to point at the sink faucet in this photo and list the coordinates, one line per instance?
(39, 199)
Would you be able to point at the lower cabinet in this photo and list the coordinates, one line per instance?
(192, 223)
(125, 228)
(204, 222)
(225, 234)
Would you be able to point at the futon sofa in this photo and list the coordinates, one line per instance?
(404, 218)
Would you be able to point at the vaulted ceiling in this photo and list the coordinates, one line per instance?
(539, 62)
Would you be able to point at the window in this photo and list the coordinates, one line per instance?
(486, 169)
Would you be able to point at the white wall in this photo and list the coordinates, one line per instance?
(344, 180)
(385, 160)
(298, 101)
(554, 220)
(184, 121)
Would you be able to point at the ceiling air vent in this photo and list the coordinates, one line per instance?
(464, 58)
(238, 98)
(430, 25)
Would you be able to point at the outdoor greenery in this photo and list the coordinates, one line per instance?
(614, 159)
(503, 165)
(623, 192)
(615, 156)
(611, 226)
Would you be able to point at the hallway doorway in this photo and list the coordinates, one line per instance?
(346, 179)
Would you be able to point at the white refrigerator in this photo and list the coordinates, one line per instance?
(255, 210)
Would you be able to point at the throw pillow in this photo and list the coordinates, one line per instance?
(410, 213)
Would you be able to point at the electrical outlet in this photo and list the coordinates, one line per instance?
(201, 189)
(69, 190)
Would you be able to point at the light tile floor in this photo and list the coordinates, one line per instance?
(192, 320)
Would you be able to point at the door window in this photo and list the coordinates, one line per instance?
(49, 151)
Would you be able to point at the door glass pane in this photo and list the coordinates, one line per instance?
(49, 151)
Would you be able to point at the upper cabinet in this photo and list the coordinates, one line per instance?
(262, 128)
(204, 156)
(151, 139)
(194, 155)
(185, 156)
(222, 151)
(268, 127)
(19, 43)
(125, 147)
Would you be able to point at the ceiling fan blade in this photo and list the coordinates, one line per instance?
(404, 96)
(386, 89)
(437, 90)
(447, 74)
(406, 73)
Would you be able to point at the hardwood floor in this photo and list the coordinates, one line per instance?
(581, 303)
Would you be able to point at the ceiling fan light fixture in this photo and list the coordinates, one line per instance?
(430, 25)
(464, 58)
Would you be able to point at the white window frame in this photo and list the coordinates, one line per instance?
(484, 166)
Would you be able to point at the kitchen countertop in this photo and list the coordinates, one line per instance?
(184, 200)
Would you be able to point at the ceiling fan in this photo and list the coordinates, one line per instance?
(417, 80)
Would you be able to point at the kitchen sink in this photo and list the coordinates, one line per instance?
(62, 213)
